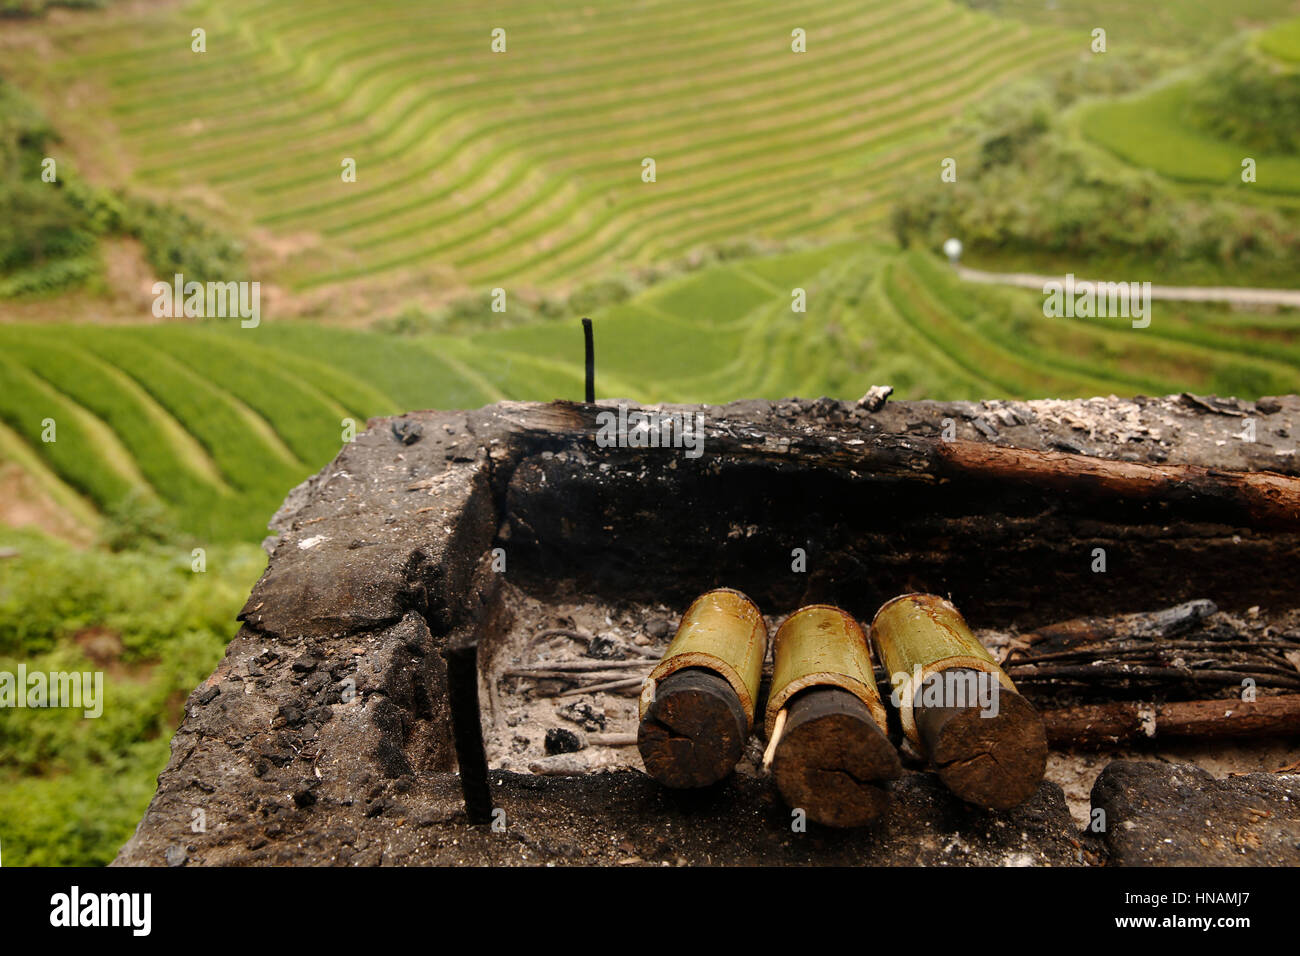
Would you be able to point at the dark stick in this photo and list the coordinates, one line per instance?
(995, 761)
(467, 731)
(831, 757)
(1147, 625)
(694, 733)
(1105, 724)
(1118, 671)
(590, 344)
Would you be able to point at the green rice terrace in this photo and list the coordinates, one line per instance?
(526, 166)
(778, 176)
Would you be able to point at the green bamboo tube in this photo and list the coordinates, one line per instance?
(697, 707)
(722, 631)
(919, 634)
(992, 753)
(826, 722)
(822, 646)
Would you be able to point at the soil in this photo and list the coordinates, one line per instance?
(23, 504)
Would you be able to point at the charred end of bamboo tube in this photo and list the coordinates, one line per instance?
(698, 704)
(832, 759)
(992, 754)
(693, 733)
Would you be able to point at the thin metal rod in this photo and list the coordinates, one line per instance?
(591, 361)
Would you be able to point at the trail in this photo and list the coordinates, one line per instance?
(1185, 293)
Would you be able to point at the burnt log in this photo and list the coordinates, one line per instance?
(1098, 725)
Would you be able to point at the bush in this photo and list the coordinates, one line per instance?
(1031, 190)
(1250, 99)
(72, 789)
(136, 521)
(47, 230)
(176, 242)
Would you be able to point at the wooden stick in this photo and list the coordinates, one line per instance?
(1264, 498)
(1113, 671)
(581, 666)
(693, 732)
(832, 757)
(1150, 625)
(1110, 723)
(992, 760)
(570, 676)
(607, 685)
(777, 730)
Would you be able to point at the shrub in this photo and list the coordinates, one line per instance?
(1249, 98)
(1032, 190)
(177, 242)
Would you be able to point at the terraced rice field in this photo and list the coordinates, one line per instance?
(217, 423)
(525, 167)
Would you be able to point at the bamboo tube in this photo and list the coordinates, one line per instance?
(986, 742)
(826, 720)
(697, 706)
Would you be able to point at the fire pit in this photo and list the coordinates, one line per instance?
(485, 591)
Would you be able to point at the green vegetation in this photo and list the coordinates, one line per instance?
(1200, 127)
(46, 237)
(51, 220)
(1250, 98)
(73, 788)
(34, 8)
(1032, 187)
(1155, 131)
(1282, 42)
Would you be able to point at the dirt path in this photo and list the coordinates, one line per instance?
(1185, 293)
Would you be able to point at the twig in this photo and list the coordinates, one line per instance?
(1122, 671)
(1109, 723)
(592, 688)
(777, 730)
(539, 673)
(613, 740)
(581, 666)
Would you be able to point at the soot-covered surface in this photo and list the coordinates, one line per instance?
(324, 733)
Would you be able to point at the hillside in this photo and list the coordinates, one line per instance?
(476, 168)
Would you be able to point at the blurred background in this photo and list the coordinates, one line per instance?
(430, 198)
